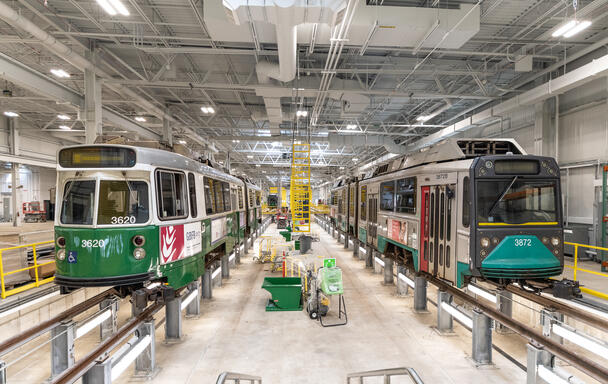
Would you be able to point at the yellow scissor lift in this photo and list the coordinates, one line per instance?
(301, 193)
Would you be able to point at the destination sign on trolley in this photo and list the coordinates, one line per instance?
(97, 157)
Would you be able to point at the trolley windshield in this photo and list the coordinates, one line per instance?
(119, 202)
(517, 201)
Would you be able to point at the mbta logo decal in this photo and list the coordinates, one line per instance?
(179, 241)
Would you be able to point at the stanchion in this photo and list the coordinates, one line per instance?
(62, 347)
(369, 257)
(402, 287)
(207, 283)
(225, 267)
(482, 338)
(445, 322)
(420, 295)
(173, 320)
(388, 271)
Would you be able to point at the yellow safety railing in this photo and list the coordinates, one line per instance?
(4, 293)
(575, 267)
(321, 209)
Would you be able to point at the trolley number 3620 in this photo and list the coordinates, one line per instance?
(97, 243)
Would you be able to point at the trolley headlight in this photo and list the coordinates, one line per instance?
(61, 254)
(555, 241)
(485, 242)
(545, 240)
(60, 242)
(139, 253)
(138, 240)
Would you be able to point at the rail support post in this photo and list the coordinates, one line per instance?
(420, 295)
(548, 317)
(369, 257)
(194, 308)
(245, 245)
(173, 320)
(355, 247)
(388, 271)
(2, 372)
(402, 287)
(109, 326)
(62, 347)
(226, 267)
(482, 338)
(504, 303)
(145, 363)
(537, 356)
(377, 266)
(346, 239)
(100, 373)
(207, 283)
(217, 281)
(445, 323)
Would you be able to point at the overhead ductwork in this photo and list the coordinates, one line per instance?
(337, 141)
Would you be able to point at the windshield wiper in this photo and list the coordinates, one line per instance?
(502, 195)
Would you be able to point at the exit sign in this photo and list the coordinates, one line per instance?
(329, 263)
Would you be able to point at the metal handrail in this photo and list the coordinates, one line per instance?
(237, 377)
(386, 374)
(4, 293)
(576, 268)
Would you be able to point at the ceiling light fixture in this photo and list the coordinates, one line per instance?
(208, 110)
(63, 117)
(258, 165)
(60, 73)
(302, 113)
(351, 126)
(120, 7)
(423, 118)
(250, 156)
(140, 119)
(182, 141)
(64, 127)
(571, 28)
(11, 114)
(355, 159)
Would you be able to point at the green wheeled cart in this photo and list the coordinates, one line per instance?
(286, 293)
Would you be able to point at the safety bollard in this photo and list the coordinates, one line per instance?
(62, 347)
(207, 283)
(445, 322)
(108, 326)
(420, 295)
(504, 303)
(482, 338)
(402, 287)
(388, 271)
(173, 320)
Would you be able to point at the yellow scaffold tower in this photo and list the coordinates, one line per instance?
(301, 193)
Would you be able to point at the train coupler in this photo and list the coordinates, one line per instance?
(566, 289)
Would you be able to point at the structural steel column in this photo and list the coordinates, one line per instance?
(420, 294)
(402, 287)
(388, 271)
(62, 347)
(173, 319)
(207, 284)
(482, 338)
(167, 130)
(225, 267)
(92, 105)
(445, 322)
(194, 308)
(369, 257)
(16, 196)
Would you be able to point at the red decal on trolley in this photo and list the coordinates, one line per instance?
(171, 243)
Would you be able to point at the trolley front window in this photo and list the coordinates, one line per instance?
(517, 201)
(78, 202)
(123, 202)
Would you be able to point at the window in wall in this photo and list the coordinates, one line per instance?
(172, 197)
(226, 191)
(363, 201)
(466, 202)
(209, 196)
(387, 195)
(240, 197)
(192, 193)
(406, 195)
(219, 196)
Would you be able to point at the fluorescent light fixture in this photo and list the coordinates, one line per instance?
(140, 119)
(182, 141)
(191, 296)
(351, 126)
(258, 165)
(379, 261)
(95, 321)
(576, 338)
(481, 292)
(211, 110)
(264, 134)
(60, 73)
(302, 113)
(423, 118)
(63, 117)
(236, 141)
(127, 359)
(549, 376)
(205, 109)
(250, 156)
(119, 6)
(105, 4)
(464, 319)
(355, 159)
(564, 28)
(64, 127)
(407, 280)
(579, 27)
(11, 114)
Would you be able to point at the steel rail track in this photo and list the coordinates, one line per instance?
(22, 338)
(589, 367)
(73, 373)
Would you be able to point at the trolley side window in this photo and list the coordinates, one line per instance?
(387, 196)
(240, 195)
(466, 202)
(192, 193)
(172, 196)
(219, 196)
(258, 198)
(209, 196)
(363, 198)
(406, 195)
(78, 202)
(226, 195)
(351, 202)
(123, 202)
(250, 194)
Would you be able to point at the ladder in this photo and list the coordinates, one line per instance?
(300, 187)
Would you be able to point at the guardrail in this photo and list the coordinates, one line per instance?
(4, 293)
(238, 377)
(575, 267)
(386, 374)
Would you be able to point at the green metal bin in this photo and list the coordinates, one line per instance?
(286, 293)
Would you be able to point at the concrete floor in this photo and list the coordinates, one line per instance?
(234, 333)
